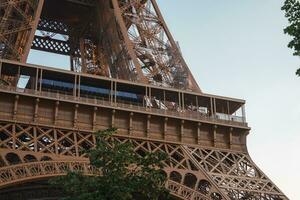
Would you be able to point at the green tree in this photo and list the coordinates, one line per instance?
(125, 174)
(292, 12)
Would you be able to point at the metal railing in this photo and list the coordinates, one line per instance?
(218, 117)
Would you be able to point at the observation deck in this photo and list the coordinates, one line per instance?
(50, 96)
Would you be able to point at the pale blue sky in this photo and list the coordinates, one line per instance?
(237, 48)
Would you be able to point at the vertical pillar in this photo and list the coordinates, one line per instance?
(41, 80)
(148, 125)
(179, 101)
(76, 144)
(130, 126)
(36, 79)
(56, 112)
(199, 133)
(181, 130)
(15, 111)
(165, 128)
(243, 113)
(113, 118)
(55, 141)
(95, 118)
(111, 92)
(211, 107)
(75, 86)
(230, 137)
(183, 103)
(215, 135)
(215, 106)
(35, 139)
(82, 53)
(150, 96)
(18, 76)
(228, 108)
(34, 25)
(79, 83)
(75, 122)
(36, 110)
(145, 98)
(14, 136)
(115, 93)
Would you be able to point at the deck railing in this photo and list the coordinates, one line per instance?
(218, 117)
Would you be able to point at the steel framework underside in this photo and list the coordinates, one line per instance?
(193, 172)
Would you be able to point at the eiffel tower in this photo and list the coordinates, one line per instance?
(126, 71)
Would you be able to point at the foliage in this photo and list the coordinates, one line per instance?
(125, 174)
(292, 12)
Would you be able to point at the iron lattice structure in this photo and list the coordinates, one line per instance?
(126, 71)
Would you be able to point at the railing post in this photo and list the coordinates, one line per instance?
(243, 113)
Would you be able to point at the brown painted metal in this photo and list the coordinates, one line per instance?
(126, 72)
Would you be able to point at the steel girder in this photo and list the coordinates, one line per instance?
(192, 171)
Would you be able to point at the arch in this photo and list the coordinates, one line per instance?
(204, 187)
(32, 171)
(190, 180)
(13, 158)
(29, 158)
(46, 158)
(175, 176)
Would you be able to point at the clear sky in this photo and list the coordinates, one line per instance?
(237, 48)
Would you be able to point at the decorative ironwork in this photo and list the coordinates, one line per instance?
(210, 172)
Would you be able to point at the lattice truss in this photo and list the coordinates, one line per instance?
(157, 52)
(193, 172)
(126, 39)
(16, 23)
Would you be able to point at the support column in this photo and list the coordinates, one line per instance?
(148, 125)
(79, 83)
(215, 135)
(41, 80)
(113, 118)
(82, 53)
(76, 144)
(36, 110)
(75, 86)
(230, 138)
(130, 123)
(118, 14)
(181, 130)
(34, 25)
(15, 111)
(35, 139)
(14, 136)
(199, 133)
(75, 122)
(215, 107)
(244, 113)
(55, 141)
(36, 80)
(56, 112)
(95, 118)
(165, 128)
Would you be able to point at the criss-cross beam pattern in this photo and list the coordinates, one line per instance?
(47, 169)
(18, 21)
(192, 171)
(120, 39)
(155, 51)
